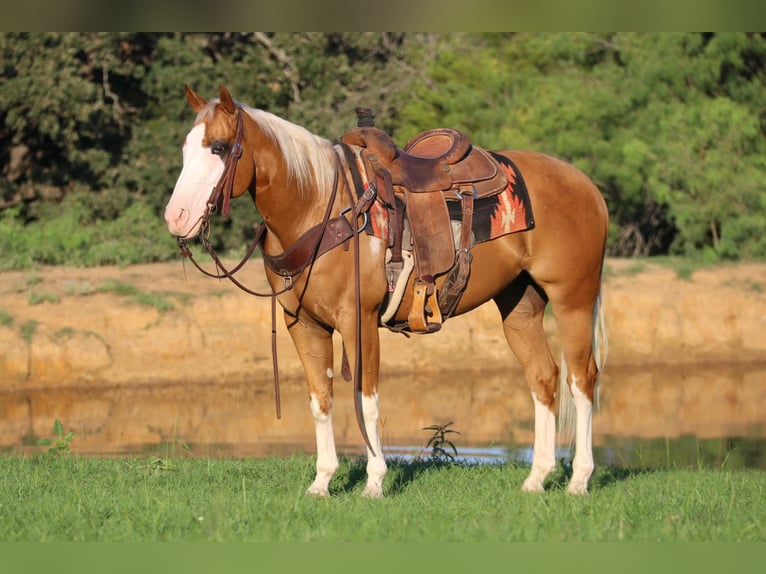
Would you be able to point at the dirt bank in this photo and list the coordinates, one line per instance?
(65, 327)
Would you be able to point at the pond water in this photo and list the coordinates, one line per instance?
(693, 417)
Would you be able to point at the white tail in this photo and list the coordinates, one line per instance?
(567, 418)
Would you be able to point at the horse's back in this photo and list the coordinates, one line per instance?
(571, 219)
(551, 181)
(566, 246)
(566, 203)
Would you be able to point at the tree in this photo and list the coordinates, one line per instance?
(669, 126)
(92, 123)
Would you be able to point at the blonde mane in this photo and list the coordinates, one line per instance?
(309, 157)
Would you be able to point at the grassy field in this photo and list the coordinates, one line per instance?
(74, 498)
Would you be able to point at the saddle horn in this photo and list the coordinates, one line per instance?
(365, 118)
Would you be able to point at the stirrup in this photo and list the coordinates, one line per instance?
(425, 315)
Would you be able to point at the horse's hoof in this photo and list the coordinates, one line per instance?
(577, 488)
(318, 492)
(373, 492)
(534, 482)
(532, 486)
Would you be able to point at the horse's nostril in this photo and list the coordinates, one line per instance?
(176, 218)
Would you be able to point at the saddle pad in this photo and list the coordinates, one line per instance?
(377, 222)
(507, 212)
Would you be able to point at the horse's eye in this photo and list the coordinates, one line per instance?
(218, 148)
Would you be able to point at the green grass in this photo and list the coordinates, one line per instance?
(74, 498)
(28, 330)
(37, 297)
(161, 301)
(686, 266)
(636, 268)
(6, 319)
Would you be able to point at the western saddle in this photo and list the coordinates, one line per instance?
(415, 184)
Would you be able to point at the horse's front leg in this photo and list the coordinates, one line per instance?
(313, 343)
(376, 464)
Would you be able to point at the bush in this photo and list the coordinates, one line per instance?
(135, 236)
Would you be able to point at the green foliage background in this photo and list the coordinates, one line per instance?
(669, 125)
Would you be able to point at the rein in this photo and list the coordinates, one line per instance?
(321, 238)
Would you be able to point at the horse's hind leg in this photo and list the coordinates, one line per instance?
(314, 345)
(522, 307)
(575, 326)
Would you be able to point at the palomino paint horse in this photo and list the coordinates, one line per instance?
(299, 181)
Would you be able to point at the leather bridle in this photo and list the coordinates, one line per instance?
(225, 185)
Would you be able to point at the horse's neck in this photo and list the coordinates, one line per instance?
(288, 209)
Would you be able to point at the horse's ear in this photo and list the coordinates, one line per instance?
(226, 101)
(195, 101)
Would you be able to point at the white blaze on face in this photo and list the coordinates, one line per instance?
(199, 175)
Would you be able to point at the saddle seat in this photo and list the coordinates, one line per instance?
(439, 159)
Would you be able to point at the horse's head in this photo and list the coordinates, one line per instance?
(210, 153)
